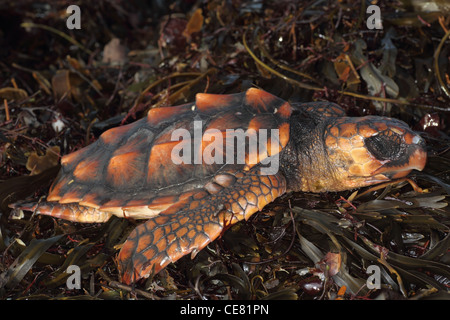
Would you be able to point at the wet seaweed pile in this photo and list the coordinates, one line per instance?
(60, 88)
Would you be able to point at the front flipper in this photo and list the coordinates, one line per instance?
(199, 220)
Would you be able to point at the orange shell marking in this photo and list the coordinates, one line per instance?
(156, 115)
(207, 101)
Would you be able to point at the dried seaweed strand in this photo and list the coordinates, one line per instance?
(59, 33)
(436, 64)
(280, 65)
(177, 94)
(118, 285)
(33, 140)
(265, 66)
(170, 76)
(41, 80)
(383, 185)
(172, 87)
(157, 82)
(392, 270)
(5, 102)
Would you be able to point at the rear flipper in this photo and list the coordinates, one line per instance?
(68, 211)
(189, 227)
(165, 239)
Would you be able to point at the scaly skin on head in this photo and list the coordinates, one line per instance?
(344, 153)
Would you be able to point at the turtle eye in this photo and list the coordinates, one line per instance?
(385, 145)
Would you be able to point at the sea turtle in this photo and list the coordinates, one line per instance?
(192, 171)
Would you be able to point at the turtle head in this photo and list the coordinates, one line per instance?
(369, 150)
